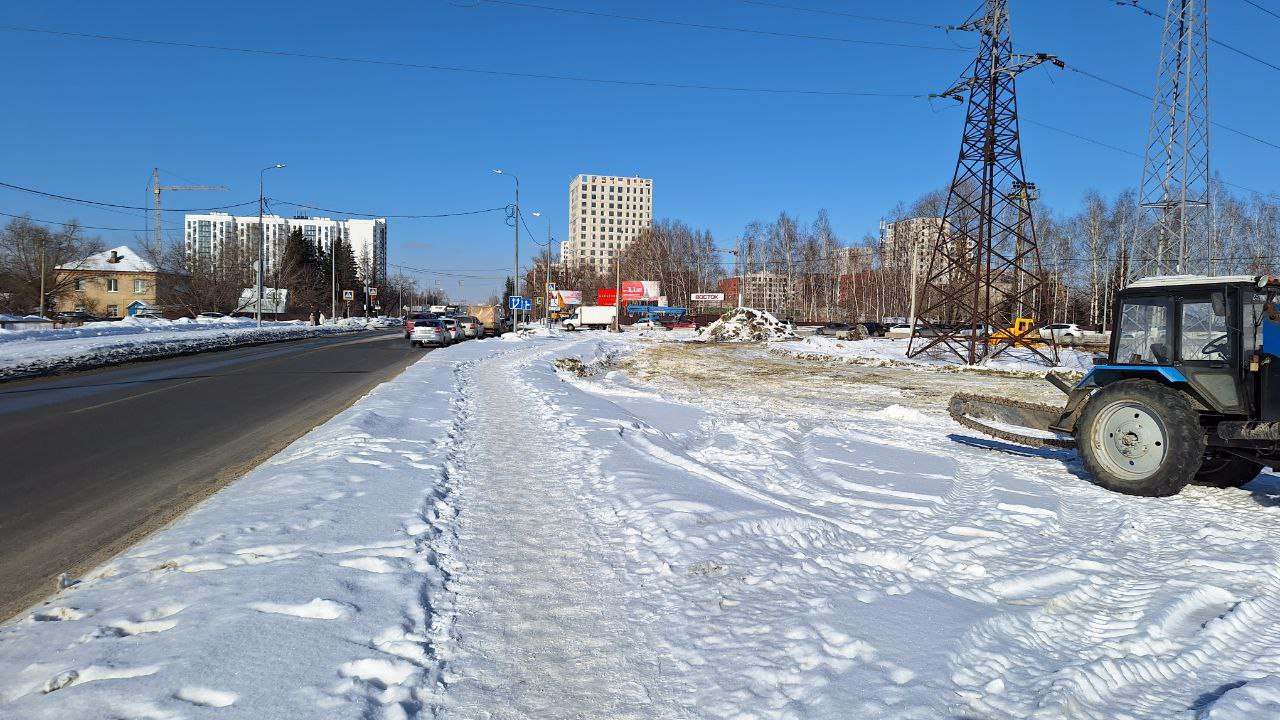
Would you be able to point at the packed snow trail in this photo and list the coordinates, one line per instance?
(538, 626)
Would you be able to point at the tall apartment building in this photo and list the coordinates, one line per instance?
(909, 241)
(605, 214)
(211, 237)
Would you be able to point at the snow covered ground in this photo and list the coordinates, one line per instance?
(28, 352)
(602, 526)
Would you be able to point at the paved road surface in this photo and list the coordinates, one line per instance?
(90, 462)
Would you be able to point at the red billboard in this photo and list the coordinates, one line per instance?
(631, 290)
(606, 296)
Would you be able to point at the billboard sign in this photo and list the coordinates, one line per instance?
(606, 296)
(707, 297)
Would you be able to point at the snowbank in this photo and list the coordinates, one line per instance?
(30, 352)
(745, 325)
(889, 352)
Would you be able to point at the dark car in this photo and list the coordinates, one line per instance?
(77, 316)
(833, 328)
(875, 329)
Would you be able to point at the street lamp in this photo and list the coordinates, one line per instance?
(547, 269)
(515, 281)
(262, 238)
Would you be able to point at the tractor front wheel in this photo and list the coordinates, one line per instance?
(1139, 437)
(1224, 470)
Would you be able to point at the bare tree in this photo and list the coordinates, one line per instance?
(30, 253)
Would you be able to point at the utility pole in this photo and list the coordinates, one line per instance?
(156, 188)
(515, 218)
(42, 254)
(737, 261)
(617, 293)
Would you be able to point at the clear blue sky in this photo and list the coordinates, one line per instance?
(90, 118)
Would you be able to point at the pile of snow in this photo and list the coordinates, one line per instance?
(745, 325)
(893, 352)
(33, 352)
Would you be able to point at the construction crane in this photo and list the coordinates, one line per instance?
(157, 188)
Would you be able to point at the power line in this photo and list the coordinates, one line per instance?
(389, 215)
(98, 203)
(458, 69)
(72, 222)
(1226, 46)
(722, 28)
(1272, 13)
(837, 13)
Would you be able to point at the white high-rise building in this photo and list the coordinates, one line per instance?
(605, 214)
(209, 236)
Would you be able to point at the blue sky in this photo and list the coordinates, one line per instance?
(90, 118)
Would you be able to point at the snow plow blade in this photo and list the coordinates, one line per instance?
(1012, 420)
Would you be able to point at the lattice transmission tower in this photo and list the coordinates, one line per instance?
(985, 268)
(1172, 234)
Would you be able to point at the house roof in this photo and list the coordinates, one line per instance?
(129, 261)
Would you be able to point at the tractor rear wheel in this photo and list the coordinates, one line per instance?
(1224, 470)
(1139, 437)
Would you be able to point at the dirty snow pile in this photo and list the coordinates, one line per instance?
(745, 325)
(30, 352)
(893, 352)
(604, 527)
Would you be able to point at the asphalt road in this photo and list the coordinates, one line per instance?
(91, 462)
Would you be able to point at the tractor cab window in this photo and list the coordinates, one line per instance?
(1255, 316)
(1145, 332)
(1204, 331)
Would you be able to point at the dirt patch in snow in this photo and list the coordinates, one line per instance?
(745, 325)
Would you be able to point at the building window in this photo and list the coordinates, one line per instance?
(139, 286)
(81, 284)
(113, 311)
(113, 285)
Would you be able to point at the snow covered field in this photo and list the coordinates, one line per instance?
(600, 526)
(28, 352)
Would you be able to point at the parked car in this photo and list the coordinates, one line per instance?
(1065, 333)
(455, 330)
(874, 329)
(471, 326)
(430, 332)
(76, 316)
(833, 328)
(211, 315)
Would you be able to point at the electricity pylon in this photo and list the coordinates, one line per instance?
(985, 266)
(1172, 233)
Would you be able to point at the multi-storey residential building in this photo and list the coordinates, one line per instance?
(211, 238)
(847, 260)
(909, 243)
(114, 283)
(605, 214)
(763, 290)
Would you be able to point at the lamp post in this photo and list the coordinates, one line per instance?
(515, 280)
(546, 269)
(262, 238)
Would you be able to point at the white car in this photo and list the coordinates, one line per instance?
(454, 328)
(471, 327)
(1065, 333)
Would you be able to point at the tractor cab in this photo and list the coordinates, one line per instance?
(1201, 332)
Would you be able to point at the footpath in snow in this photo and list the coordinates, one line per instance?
(31, 352)
(599, 526)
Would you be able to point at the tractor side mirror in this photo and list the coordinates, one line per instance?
(1219, 301)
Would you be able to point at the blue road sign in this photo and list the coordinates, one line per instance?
(514, 302)
(525, 304)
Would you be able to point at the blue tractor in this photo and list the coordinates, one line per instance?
(1189, 392)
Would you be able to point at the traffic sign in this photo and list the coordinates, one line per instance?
(551, 287)
(515, 302)
(373, 292)
(348, 295)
